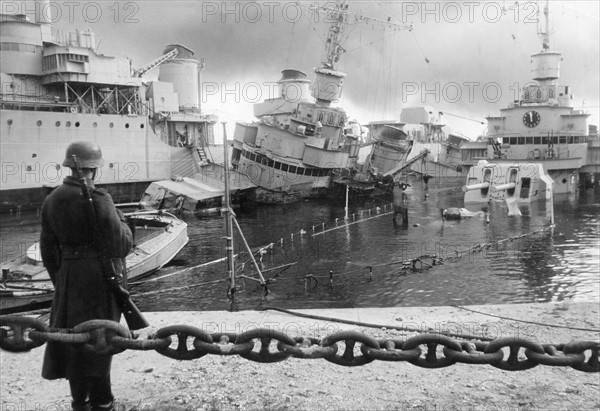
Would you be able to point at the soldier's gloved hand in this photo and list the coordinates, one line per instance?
(147, 333)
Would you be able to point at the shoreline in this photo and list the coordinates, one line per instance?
(151, 381)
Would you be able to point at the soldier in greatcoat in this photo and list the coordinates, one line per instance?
(81, 292)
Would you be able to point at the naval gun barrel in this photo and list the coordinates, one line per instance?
(502, 187)
(472, 187)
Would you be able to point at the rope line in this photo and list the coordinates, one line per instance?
(527, 322)
(371, 325)
(354, 222)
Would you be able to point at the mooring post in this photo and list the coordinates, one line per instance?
(402, 211)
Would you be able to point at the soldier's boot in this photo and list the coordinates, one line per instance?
(81, 407)
(104, 407)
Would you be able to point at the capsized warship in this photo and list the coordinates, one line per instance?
(301, 141)
(419, 133)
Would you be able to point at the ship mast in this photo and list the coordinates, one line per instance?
(546, 72)
(333, 47)
(339, 16)
(545, 35)
(329, 82)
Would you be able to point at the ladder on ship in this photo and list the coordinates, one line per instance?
(395, 172)
(202, 155)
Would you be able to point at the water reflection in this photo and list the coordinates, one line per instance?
(551, 265)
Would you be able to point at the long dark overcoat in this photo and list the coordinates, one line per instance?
(80, 289)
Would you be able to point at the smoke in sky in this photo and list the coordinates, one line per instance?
(466, 59)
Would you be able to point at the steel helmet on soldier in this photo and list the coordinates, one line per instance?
(87, 152)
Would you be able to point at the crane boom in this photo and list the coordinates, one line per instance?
(338, 15)
(162, 59)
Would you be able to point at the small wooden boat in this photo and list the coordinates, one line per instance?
(158, 238)
(24, 298)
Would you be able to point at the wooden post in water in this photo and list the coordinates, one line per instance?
(347, 191)
(552, 207)
(228, 219)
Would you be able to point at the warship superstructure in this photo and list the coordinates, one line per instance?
(419, 129)
(299, 142)
(541, 127)
(57, 88)
(295, 147)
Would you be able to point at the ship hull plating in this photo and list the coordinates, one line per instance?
(280, 186)
(33, 146)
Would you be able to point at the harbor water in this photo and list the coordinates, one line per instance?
(367, 260)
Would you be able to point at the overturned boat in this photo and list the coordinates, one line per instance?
(202, 194)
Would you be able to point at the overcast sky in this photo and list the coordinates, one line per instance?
(466, 59)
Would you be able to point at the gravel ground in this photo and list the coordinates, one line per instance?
(146, 380)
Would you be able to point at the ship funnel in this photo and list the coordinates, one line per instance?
(183, 73)
(294, 86)
(546, 65)
(328, 85)
(43, 12)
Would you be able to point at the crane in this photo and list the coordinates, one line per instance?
(162, 59)
(338, 15)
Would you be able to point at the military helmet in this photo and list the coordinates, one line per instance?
(87, 152)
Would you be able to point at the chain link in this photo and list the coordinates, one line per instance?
(266, 335)
(182, 332)
(21, 334)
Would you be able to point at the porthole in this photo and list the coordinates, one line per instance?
(564, 181)
(57, 124)
(111, 125)
(68, 124)
(39, 123)
(9, 122)
(126, 125)
(77, 124)
(141, 126)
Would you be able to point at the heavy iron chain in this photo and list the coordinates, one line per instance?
(20, 334)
